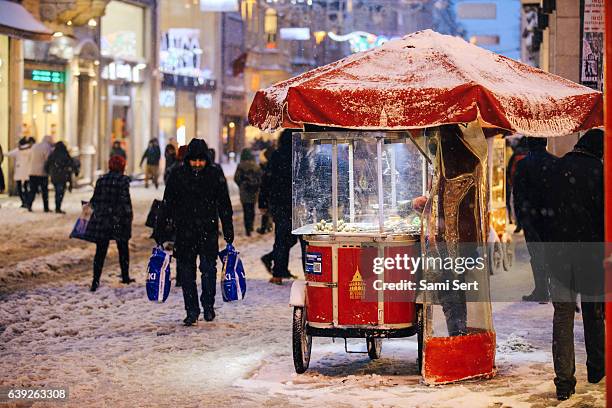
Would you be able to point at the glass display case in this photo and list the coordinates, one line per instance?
(358, 183)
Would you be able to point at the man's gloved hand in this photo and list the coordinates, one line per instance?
(229, 239)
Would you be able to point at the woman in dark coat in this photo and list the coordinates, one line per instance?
(60, 167)
(112, 219)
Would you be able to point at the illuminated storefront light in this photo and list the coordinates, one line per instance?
(361, 40)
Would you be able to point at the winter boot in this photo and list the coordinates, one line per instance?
(267, 261)
(276, 280)
(596, 377)
(563, 395)
(94, 285)
(127, 280)
(209, 313)
(190, 320)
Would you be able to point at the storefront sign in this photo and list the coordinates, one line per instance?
(180, 53)
(591, 61)
(204, 101)
(219, 5)
(123, 71)
(43, 75)
(188, 83)
(295, 33)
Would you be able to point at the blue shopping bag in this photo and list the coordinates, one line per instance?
(233, 283)
(158, 275)
(79, 231)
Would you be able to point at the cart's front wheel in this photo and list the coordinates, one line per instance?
(374, 347)
(302, 342)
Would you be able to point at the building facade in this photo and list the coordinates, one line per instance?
(189, 72)
(492, 24)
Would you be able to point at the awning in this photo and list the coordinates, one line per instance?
(16, 21)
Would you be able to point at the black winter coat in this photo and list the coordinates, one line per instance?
(280, 183)
(532, 180)
(152, 155)
(112, 209)
(60, 167)
(194, 204)
(264, 190)
(578, 198)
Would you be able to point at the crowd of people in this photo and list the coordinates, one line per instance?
(36, 163)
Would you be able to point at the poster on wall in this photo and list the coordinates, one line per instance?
(591, 60)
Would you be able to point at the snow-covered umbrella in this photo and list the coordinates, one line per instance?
(428, 79)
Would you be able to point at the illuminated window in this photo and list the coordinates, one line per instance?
(270, 26)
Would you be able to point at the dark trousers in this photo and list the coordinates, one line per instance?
(60, 189)
(284, 240)
(563, 341)
(186, 269)
(23, 190)
(539, 262)
(266, 222)
(124, 259)
(249, 216)
(39, 183)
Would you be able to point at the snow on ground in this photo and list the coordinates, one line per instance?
(113, 348)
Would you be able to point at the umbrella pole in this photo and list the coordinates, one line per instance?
(608, 191)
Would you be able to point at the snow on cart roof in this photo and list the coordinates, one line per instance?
(428, 79)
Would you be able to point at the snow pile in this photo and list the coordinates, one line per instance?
(515, 344)
(55, 263)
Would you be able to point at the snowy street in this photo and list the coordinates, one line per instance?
(114, 348)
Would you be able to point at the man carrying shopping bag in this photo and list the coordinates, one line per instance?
(196, 196)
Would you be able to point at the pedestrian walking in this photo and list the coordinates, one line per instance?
(112, 219)
(263, 198)
(195, 197)
(248, 178)
(280, 208)
(532, 177)
(117, 150)
(578, 232)
(152, 156)
(519, 153)
(60, 166)
(39, 178)
(170, 154)
(21, 169)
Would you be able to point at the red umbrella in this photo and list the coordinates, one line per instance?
(427, 79)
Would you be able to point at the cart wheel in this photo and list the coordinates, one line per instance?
(374, 347)
(496, 258)
(420, 330)
(302, 342)
(508, 254)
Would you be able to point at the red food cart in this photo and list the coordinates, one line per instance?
(353, 207)
(353, 195)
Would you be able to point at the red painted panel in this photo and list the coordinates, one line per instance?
(325, 274)
(319, 304)
(355, 289)
(448, 359)
(399, 304)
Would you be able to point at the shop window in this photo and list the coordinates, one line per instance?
(270, 27)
